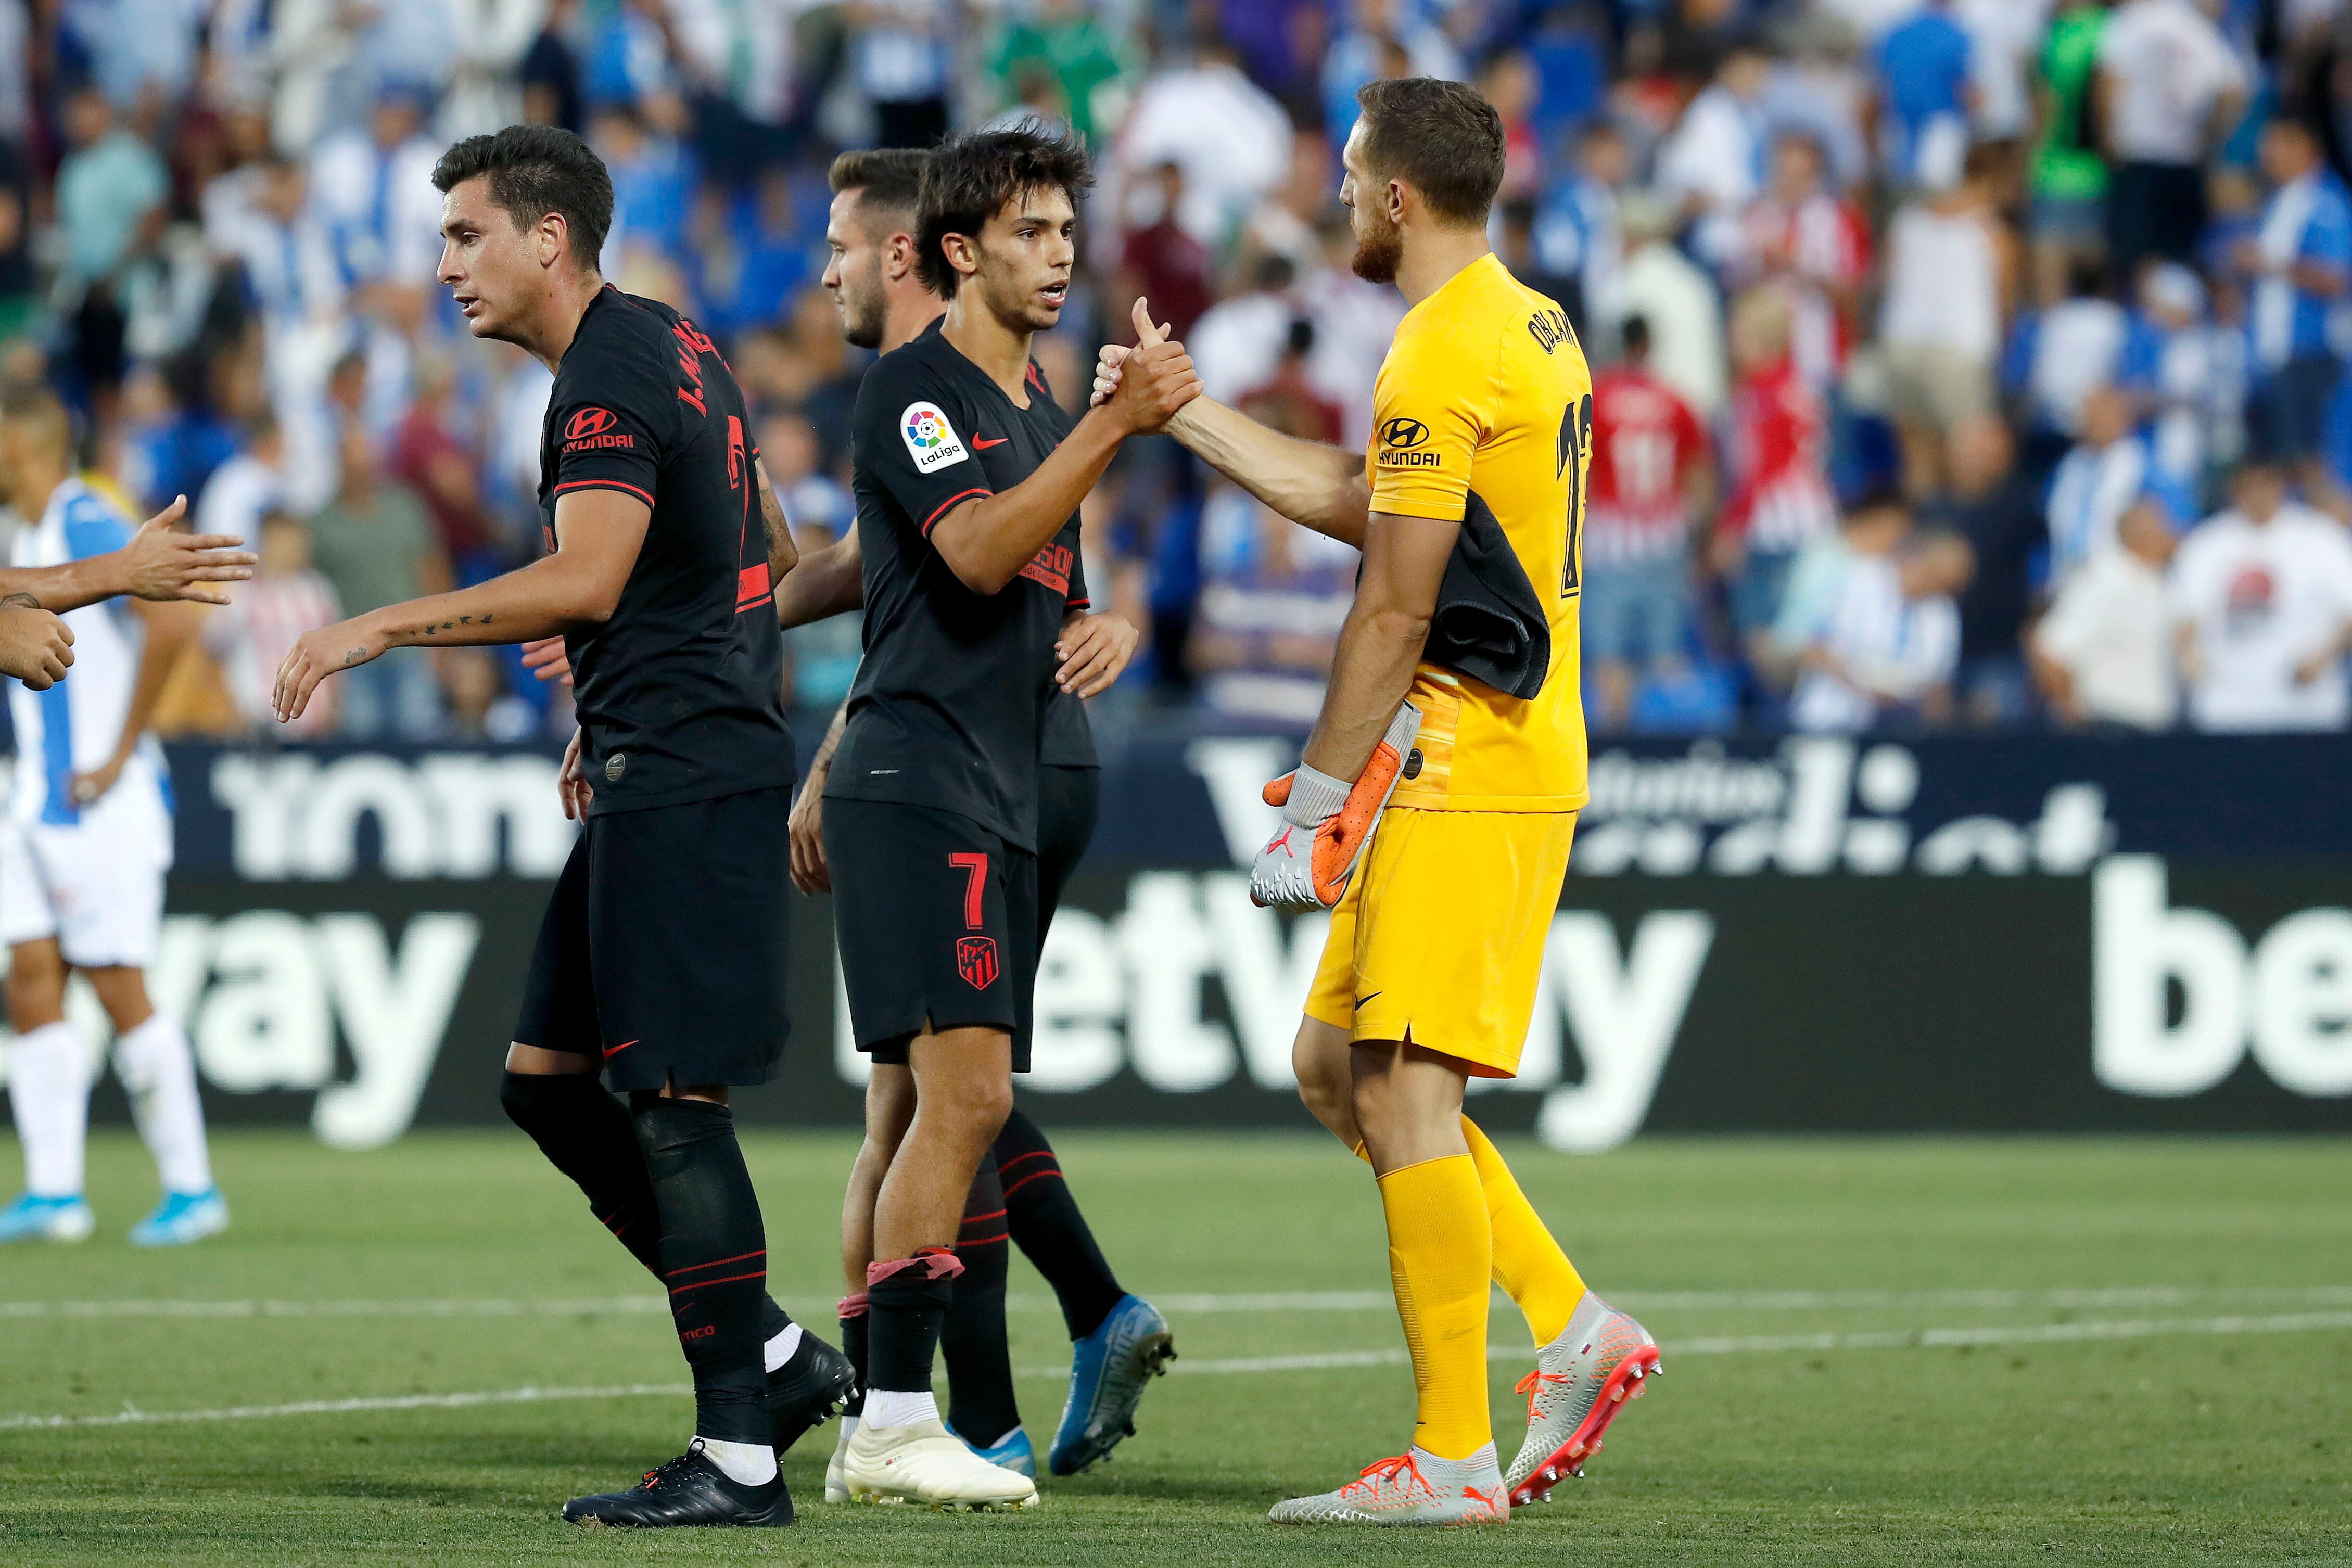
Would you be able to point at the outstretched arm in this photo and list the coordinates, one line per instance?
(1319, 485)
(159, 562)
(986, 541)
(600, 532)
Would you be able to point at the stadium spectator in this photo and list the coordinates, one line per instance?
(428, 457)
(2301, 264)
(2058, 354)
(1779, 500)
(2172, 87)
(374, 544)
(247, 488)
(2104, 656)
(1712, 165)
(1235, 343)
(1799, 234)
(1651, 470)
(372, 192)
(1273, 597)
(1080, 49)
(1948, 267)
(1877, 639)
(2069, 178)
(1926, 89)
(2106, 472)
(1997, 511)
(1231, 139)
(2005, 37)
(2196, 381)
(1659, 284)
(1577, 234)
(2261, 603)
(1161, 262)
(251, 637)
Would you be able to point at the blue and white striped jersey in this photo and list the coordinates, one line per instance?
(73, 727)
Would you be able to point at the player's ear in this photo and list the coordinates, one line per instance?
(899, 255)
(550, 237)
(962, 253)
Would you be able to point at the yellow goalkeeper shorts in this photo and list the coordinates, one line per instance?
(1439, 940)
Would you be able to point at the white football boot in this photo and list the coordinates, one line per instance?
(1583, 1379)
(924, 1463)
(1415, 1488)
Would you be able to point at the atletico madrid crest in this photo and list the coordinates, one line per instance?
(976, 961)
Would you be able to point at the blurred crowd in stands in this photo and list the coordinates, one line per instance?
(1958, 362)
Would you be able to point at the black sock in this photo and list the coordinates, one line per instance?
(714, 1259)
(586, 1134)
(904, 1309)
(1045, 1219)
(981, 1405)
(853, 1345)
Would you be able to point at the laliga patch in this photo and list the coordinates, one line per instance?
(931, 440)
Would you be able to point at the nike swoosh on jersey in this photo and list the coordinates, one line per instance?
(982, 443)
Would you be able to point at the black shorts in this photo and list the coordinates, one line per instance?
(663, 948)
(1068, 801)
(936, 919)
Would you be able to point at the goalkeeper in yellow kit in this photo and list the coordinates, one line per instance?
(1441, 893)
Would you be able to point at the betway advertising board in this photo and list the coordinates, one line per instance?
(1811, 935)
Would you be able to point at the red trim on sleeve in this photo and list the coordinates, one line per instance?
(951, 500)
(1079, 604)
(603, 485)
(751, 586)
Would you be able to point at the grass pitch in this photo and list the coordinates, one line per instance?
(1987, 1351)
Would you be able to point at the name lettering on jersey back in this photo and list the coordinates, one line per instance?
(1051, 566)
(931, 440)
(1551, 328)
(691, 346)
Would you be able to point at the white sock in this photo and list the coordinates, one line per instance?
(159, 1072)
(781, 1348)
(895, 1407)
(49, 1092)
(848, 1429)
(745, 1464)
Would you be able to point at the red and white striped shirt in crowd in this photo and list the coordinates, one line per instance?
(1816, 246)
(252, 637)
(1645, 444)
(1780, 495)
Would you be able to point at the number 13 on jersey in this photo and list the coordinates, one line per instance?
(1573, 461)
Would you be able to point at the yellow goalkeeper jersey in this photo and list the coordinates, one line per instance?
(1486, 394)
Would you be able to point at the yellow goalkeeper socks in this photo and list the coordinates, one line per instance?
(1528, 1264)
(1439, 1258)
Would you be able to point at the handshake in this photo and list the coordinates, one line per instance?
(1145, 386)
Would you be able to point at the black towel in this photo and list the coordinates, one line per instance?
(1489, 623)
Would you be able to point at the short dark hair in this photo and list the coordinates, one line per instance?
(887, 177)
(1439, 137)
(1634, 333)
(969, 180)
(535, 169)
(1877, 496)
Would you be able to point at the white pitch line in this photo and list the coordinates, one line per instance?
(1215, 1302)
(131, 1417)
(1758, 1345)
(1899, 1339)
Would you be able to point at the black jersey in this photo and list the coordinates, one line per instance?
(681, 693)
(948, 706)
(1069, 739)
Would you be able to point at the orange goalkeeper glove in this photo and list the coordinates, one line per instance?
(1325, 822)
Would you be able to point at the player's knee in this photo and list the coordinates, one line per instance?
(1318, 1057)
(36, 987)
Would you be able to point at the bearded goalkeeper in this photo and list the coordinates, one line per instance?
(1442, 902)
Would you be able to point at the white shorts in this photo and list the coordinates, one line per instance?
(96, 885)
